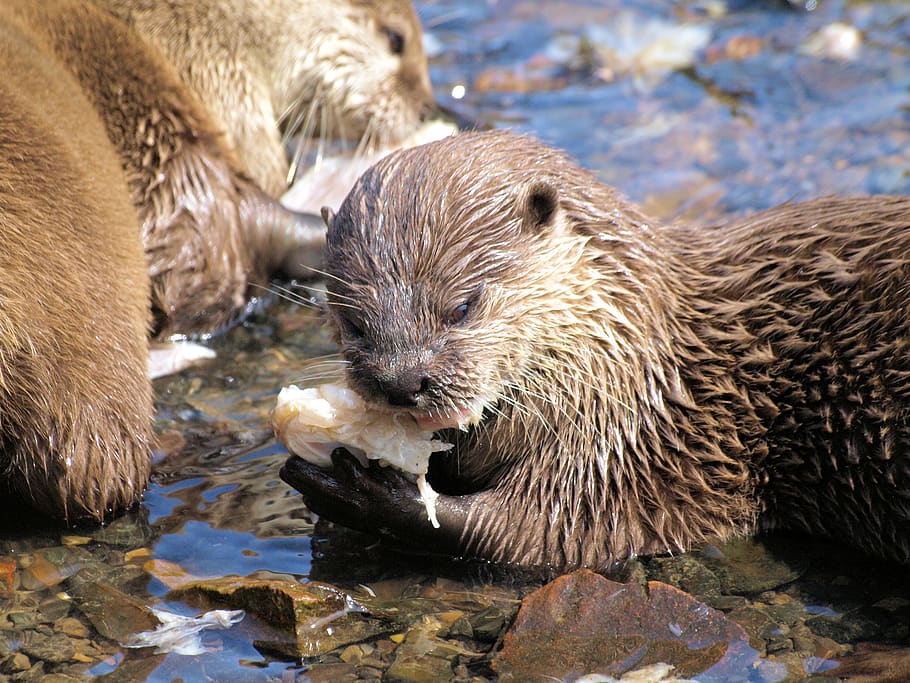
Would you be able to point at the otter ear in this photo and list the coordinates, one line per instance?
(327, 215)
(538, 206)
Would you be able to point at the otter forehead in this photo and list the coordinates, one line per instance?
(416, 218)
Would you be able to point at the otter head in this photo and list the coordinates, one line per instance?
(354, 69)
(442, 261)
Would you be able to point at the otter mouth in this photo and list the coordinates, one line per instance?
(459, 418)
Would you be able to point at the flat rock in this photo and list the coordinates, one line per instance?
(319, 617)
(582, 623)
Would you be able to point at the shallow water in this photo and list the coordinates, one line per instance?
(750, 119)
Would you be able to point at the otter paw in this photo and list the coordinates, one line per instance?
(371, 498)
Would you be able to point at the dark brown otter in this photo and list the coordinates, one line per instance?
(646, 387)
(121, 184)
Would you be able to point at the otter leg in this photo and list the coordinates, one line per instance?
(378, 499)
(75, 402)
(286, 241)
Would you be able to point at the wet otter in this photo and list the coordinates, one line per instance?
(122, 182)
(646, 387)
(201, 140)
(354, 69)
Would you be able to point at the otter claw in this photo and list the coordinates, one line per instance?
(353, 495)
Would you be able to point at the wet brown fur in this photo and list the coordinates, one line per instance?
(75, 403)
(257, 63)
(120, 184)
(647, 387)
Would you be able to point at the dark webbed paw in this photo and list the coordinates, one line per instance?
(375, 499)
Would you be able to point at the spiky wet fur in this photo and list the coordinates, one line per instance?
(648, 387)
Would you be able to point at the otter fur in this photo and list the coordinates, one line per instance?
(646, 387)
(130, 203)
(354, 69)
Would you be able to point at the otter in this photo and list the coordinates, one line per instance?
(354, 69)
(645, 387)
(136, 198)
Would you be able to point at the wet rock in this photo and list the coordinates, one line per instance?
(109, 571)
(461, 629)
(725, 603)
(130, 530)
(114, 614)
(850, 627)
(738, 47)
(49, 567)
(60, 678)
(783, 609)
(582, 623)
(14, 663)
(71, 627)
(54, 649)
(837, 40)
(747, 567)
(8, 567)
(35, 674)
(422, 670)
(487, 625)
(756, 622)
(24, 620)
(423, 656)
(319, 617)
(170, 574)
(535, 76)
(54, 607)
(688, 573)
(330, 673)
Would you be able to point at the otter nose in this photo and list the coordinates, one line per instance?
(403, 390)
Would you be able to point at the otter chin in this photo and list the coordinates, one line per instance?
(645, 386)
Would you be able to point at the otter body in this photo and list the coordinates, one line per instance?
(126, 188)
(645, 387)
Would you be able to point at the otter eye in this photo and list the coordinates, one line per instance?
(396, 41)
(351, 328)
(459, 313)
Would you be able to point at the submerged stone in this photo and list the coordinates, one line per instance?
(318, 617)
(582, 623)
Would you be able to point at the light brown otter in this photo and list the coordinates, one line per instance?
(353, 69)
(75, 403)
(120, 183)
(647, 387)
(201, 141)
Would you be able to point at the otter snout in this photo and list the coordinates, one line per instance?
(400, 380)
(405, 389)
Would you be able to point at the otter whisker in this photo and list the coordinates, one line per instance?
(286, 294)
(303, 126)
(329, 275)
(342, 304)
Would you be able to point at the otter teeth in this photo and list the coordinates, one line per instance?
(460, 418)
